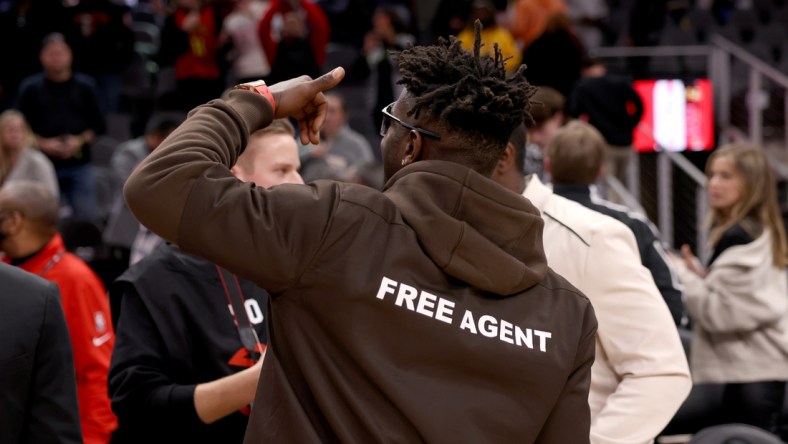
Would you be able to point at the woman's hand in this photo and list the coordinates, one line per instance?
(692, 262)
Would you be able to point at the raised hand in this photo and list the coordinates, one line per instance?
(303, 99)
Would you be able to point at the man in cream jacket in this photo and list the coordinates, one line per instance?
(640, 376)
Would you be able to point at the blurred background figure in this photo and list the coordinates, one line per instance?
(441, 18)
(492, 34)
(610, 103)
(547, 115)
(191, 41)
(19, 159)
(349, 20)
(388, 34)
(100, 35)
(30, 240)
(23, 25)
(294, 35)
(544, 68)
(122, 228)
(63, 111)
(531, 17)
(342, 151)
(588, 21)
(38, 391)
(737, 302)
(247, 58)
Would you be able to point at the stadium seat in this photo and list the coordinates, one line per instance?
(734, 434)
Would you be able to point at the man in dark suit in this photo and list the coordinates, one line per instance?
(38, 391)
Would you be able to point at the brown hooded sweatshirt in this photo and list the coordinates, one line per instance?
(425, 313)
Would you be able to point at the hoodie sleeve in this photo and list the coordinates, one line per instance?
(184, 192)
(638, 341)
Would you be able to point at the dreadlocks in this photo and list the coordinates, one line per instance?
(467, 92)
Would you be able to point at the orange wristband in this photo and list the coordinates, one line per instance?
(259, 87)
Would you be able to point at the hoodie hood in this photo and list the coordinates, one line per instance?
(472, 228)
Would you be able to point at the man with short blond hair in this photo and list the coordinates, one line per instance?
(191, 335)
(575, 154)
(574, 158)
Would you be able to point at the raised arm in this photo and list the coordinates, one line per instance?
(184, 190)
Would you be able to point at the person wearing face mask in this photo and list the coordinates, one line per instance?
(190, 335)
(737, 301)
(30, 240)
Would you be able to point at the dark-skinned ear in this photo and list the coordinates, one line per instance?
(506, 161)
(13, 222)
(413, 150)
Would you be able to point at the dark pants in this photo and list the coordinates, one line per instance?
(754, 403)
(78, 190)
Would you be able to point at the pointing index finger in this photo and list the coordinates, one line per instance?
(329, 80)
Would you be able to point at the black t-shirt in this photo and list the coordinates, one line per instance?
(62, 109)
(735, 235)
(175, 330)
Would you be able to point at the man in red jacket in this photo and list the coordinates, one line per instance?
(29, 238)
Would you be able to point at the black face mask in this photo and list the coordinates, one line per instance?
(3, 235)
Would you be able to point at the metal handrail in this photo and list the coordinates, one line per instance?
(689, 169)
(665, 163)
(620, 190)
(649, 51)
(718, 59)
(754, 62)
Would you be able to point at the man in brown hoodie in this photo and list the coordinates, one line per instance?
(425, 313)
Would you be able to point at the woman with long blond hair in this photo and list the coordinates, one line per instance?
(739, 301)
(19, 159)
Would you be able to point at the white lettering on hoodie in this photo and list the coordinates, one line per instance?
(442, 309)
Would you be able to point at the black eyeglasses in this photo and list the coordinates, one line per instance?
(388, 117)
